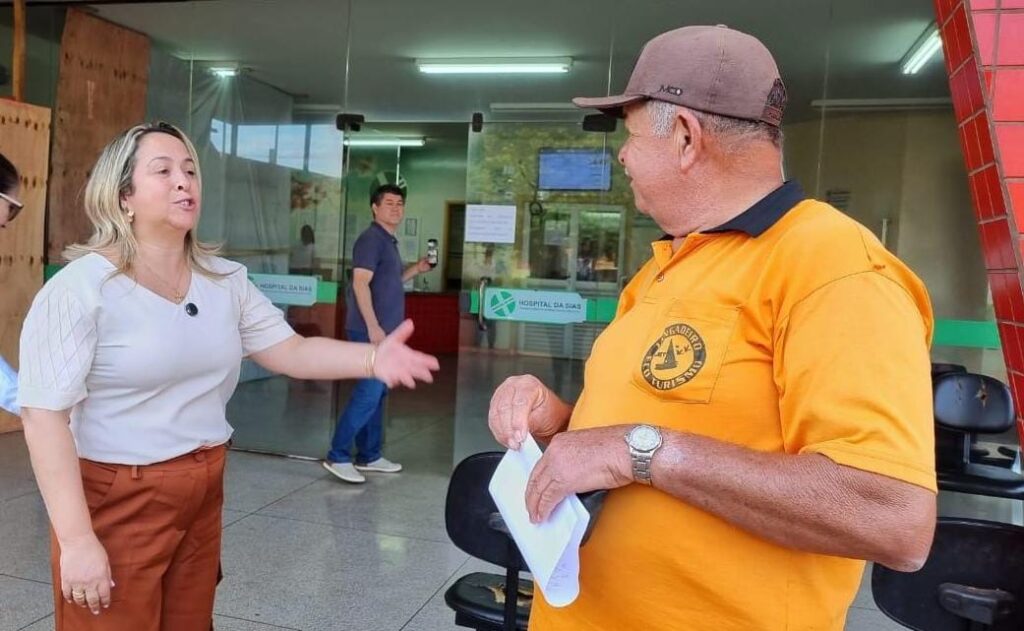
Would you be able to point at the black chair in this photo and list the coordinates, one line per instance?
(973, 580)
(948, 442)
(966, 406)
(483, 601)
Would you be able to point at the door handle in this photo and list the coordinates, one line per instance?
(481, 291)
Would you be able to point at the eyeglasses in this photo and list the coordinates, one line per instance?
(16, 206)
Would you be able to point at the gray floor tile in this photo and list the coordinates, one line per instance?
(46, 624)
(15, 470)
(311, 576)
(253, 481)
(24, 531)
(226, 623)
(863, 597)
(402, 505)
(231, 516)
(24, 602)
(859, 619)
(221, 623)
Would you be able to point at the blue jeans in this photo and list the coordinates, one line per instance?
(362, 420)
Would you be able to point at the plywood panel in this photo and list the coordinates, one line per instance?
(25, 141)
(101, 90)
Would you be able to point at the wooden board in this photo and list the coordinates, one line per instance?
(25, 141)
(101, 91)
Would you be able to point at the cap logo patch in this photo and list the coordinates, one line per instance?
(775, 103)
(671, 89)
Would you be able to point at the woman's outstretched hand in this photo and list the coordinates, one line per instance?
(396, 363)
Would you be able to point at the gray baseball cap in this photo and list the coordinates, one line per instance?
(714, 69)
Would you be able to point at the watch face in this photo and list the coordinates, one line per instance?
(644, 438)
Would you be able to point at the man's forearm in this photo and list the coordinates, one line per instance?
(411, 271)
(806, 502)
(364, 301)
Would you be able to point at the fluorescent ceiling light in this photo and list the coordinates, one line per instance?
(496, 65)
(317, 108)
(881, 105)
(385, 142)
(222, 69)
(533, 107)
(923, 50)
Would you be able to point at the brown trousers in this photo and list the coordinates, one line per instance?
(161, 527)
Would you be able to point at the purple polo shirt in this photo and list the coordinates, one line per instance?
(376, 250)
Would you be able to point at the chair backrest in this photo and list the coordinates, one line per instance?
(972, 403)
(469, 509)
(939, 368)
(966, 553)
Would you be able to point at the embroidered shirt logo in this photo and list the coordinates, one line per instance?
(675, 358)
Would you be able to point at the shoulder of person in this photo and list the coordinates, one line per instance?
(819, 244)
(816, 241)
(81, 278)
(227, 267)
(370, 235)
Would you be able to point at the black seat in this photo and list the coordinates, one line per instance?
(939, 368)
(481, 601)
(949, 443)
(973, 580)
(968, 405)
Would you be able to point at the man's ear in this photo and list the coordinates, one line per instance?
(688, 138)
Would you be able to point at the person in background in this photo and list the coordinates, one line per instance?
(302, 254)
(129, 355)
(9, 209)
(375, 307)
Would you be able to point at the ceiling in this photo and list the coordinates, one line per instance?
(825, 48)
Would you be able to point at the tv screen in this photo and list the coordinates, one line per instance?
(575, 170)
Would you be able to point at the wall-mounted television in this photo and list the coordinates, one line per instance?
(575, 170)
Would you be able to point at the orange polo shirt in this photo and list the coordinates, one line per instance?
(799, 335)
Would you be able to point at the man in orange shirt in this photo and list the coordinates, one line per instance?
(761, 403)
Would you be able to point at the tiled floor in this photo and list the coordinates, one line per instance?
(302, 551)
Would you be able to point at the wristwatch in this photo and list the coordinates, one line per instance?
(643, 442)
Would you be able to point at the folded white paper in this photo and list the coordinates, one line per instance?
(550, 549)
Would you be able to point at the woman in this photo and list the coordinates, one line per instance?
(137, 343)
(9, 208)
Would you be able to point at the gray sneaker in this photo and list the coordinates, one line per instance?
(344, 471)
(380, 465)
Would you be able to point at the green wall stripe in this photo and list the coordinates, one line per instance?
(964, 333)
(326, 291)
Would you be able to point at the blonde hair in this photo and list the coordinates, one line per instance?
(110, 181)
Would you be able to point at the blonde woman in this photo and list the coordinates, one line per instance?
(129, 355)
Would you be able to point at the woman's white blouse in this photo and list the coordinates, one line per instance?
(145, 381)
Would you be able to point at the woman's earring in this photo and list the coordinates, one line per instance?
(131, 215)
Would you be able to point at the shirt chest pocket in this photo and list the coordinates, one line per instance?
(683, 349)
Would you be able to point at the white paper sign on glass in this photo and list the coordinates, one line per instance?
(490, 224)
(551, 549)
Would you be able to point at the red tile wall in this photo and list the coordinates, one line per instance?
(983, 44)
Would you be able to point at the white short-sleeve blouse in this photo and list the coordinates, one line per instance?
(145, 381)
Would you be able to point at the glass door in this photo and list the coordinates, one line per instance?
(551, 236)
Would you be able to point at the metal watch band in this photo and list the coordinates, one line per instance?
(641, 466)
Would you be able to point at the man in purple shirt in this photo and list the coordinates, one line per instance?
(375, 308)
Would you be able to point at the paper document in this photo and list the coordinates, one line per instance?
(551, 549)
